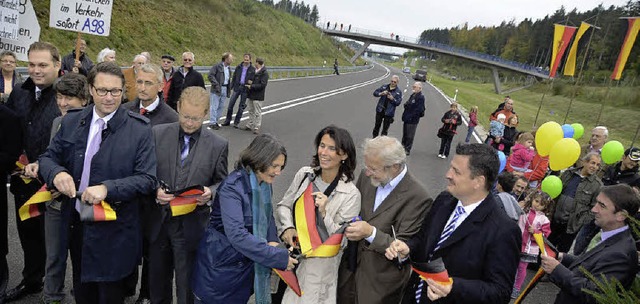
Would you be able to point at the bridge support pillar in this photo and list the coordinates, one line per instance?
(360, 52)
(496, 80)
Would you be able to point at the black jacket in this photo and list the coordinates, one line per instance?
(613, 175)
(259, 85)
(69, 61)
(450, 128)
(161, 115)
(179, 83)
(235, 84)
(36, 117)
(413, 109)
(10, 142)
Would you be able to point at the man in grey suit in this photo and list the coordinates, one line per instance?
(220, 78)
(611, 252)
(390, 196)
(187, 155)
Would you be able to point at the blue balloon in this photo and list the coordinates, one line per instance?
(568, 131)
(503, 161)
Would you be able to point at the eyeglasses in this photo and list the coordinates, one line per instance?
(190, 118)
(103, 92)
(187, 60)
(145, 83)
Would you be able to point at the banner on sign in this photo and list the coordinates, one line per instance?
(84, 16)
(19, 27)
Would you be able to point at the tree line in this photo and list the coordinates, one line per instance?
(298, 9)
(531, 41)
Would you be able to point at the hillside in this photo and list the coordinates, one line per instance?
(208, 28)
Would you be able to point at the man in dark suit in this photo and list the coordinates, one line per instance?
(11, 138)
(611, 252)
(478, 243)
(121, 172)
(390, 196)
(242, 76)
(149, 103)
(188, 155)
(34, 102)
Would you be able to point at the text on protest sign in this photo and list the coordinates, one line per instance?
(18, 32)
(85, 16)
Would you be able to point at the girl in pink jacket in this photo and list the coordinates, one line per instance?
(534, 220)
(522, 153)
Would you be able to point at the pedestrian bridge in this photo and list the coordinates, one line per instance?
(369, 37)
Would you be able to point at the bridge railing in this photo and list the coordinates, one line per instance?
(442, 46)
(275, 72)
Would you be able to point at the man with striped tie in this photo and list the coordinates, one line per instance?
(188, 155)
(478, 243)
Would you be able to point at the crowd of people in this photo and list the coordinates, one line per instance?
(138, 189)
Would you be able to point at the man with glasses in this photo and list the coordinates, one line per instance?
(390, 196)
(34, 102)
(186, 76)
(130, 76)
(390, 97)
(106, 153)
(166, 62)
(597, 140)
(188, 155)
(150, 105)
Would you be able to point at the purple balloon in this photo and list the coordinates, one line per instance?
(503, 161)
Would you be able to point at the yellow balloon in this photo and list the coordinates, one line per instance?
(564, 154)
(547, 135)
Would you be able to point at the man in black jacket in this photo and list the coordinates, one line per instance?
(186, 76)
(11, 138)
(413, 111)
(35, 104)
(82, 66)
(625, 171)
(256, 96)
(241, 77)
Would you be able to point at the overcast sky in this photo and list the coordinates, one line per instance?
(410, 18)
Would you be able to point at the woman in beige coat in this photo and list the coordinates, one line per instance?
(335, 160)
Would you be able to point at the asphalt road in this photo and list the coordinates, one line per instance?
(296, 109)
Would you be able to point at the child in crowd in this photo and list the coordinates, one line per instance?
(506, 181)
(473, 122)
(522, 153)
(496, 129)
(534, 220)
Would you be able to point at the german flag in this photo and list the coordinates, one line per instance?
(290, 278)
(312, 234)
(186, 200)
(97, 213)
(434, 270)
(562, 35)
(627, 45)
(22, 162)
(546, 248)
(31, 208)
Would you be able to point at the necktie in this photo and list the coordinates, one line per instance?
(185, 149)
(446, 233)
(595, 241)
(143, 111)
(92, 149)
(38, 94)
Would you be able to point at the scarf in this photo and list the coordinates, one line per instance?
(261, 210)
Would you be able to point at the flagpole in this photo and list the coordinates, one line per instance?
(606, 96)
(635, 136)
(535, 122)
(584, 60)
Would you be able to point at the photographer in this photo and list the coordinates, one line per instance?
(390, 97)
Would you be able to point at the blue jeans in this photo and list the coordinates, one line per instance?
(242, 93)
(216, 105)
(469, 133)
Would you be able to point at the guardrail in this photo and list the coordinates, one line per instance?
(275, 72)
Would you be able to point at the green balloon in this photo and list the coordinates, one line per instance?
(578, 130)
(612, 152)
(552, 185)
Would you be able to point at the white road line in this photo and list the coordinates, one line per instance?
(306, 99)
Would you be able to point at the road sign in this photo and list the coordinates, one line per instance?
(28, 29)
(91, 17)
